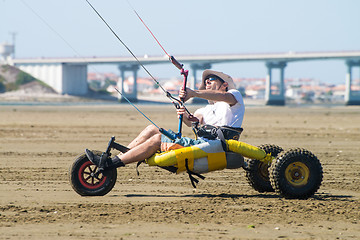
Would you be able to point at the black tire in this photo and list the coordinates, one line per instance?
(86, 182)
(257, 172)
(296, 173)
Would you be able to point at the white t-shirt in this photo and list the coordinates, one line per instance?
(221, 114)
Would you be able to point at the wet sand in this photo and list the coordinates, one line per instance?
(39, 143)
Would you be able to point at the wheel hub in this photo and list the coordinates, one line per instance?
(89, 177)
(264, 171)
(297, 174)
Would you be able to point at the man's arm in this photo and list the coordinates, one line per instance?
(212, 95)
(186, 120)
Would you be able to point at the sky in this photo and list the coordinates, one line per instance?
(70, 28)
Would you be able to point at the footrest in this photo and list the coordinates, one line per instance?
(102, 162)
(120, 147)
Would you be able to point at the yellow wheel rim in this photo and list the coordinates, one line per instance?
(264, 171)
(297, 174)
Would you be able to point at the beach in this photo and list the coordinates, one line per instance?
(39, 143)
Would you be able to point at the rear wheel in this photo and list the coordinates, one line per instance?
(257, 172)
(85, 179)
(296, 173)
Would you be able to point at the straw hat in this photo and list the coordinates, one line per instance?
(223, 76)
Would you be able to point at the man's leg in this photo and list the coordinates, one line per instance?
(147, 133)
(136, 154)
(143, 150)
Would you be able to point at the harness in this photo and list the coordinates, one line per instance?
(214, 132)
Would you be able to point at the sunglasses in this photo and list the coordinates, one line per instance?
(214, 79)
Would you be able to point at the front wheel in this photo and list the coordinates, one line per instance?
(85, 179)
(296, 173)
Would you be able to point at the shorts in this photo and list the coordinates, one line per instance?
(167, 144)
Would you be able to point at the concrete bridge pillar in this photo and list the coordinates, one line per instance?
(64, 78)
(276, 95)
(194, 68)
(131, 92)
(74, 79)
(351, 97)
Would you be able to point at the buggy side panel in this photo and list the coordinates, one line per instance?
(204, 157)
(207, 157)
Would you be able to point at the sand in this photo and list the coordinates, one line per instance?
(39, 143)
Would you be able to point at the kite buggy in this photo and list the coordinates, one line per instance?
(295, 173)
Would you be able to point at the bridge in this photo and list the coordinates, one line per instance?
(69, 75)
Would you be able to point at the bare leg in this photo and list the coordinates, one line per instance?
(145, 145)
(143, 150)
(147, 133)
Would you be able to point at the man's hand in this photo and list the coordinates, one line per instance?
(181, 110)
(188, 118)
(186, 94)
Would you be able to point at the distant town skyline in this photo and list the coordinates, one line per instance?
(70, 28)
(299, 90)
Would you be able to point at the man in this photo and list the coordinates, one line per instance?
(225, 108)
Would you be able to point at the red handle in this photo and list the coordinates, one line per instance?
(185, 73)
(176, 63)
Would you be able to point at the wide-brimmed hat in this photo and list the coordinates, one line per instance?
(221, 75)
